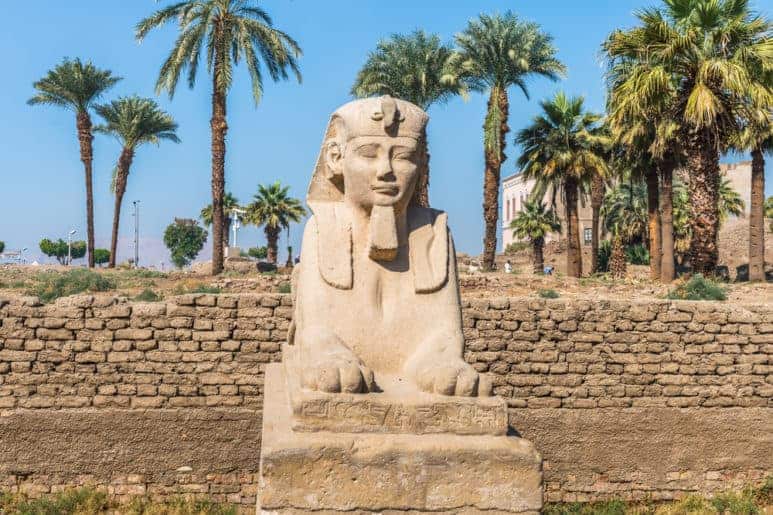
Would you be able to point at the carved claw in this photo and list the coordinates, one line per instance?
(337, 374)
(455, 377)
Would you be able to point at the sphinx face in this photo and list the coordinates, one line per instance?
(381, 171)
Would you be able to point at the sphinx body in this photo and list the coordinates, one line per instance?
(377, 296)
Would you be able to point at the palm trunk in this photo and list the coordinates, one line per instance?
(226, 231)
(653, 218)
(596, 199)
(539, 257)
(703, 164)
(667, 268)
(219, 129)
(757, 218)
(498, 107)
(272, 239)
(85, 138)
(121, 178)
(617, 262)
(573, 254)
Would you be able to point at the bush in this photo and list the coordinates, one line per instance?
(258, 252)
(52, 285)
(605, 252)
(548, 294)
(637, 255)
(284, 288)
(2, 246)
(101, 256)
(698, 288)
(196, 288)
(148, 295)
(184, 238)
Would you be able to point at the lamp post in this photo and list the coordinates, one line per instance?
(69, 246)
(136, 204)
(21, 255)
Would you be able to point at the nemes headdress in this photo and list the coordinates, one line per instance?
(429, 242)
(381, 116)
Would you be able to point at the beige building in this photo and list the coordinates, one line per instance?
(516, 190)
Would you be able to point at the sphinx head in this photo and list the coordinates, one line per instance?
(375, 151)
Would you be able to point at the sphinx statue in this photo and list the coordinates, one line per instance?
(373, 408)
(377, 295)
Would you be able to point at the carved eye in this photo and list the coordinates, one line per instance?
(405, 155)
(368, 151)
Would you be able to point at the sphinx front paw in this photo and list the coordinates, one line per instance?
(452, 377)
(338, 375)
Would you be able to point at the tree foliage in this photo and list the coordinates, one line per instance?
(413, 67)
(535, 222)
(226, 32)
(184, 238)
(625, 211)
(273, 209)
(101, 256)
(135, 121)
(58, 249)
(74, 85)
(2, 246)
(258, 252)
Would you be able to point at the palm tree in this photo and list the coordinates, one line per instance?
(274, 210)
(562, 150)
(756, 136)
(227, 31)
(75, 85)
(134, 121)
(597, 190)
(730, 202)
(229, 203)
(496, 52)
(704, 53)
(626, 212)
(534, 223)
(413, 67)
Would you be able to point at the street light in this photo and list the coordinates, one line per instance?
(235, 212)
(69, 246)
(21, 255)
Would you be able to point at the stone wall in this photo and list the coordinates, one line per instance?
(622, 399)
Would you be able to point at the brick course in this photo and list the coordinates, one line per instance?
(207, 352)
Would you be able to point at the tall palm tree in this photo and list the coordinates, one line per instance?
(709, 49)
(413, 67)
(134, 121)
(229, 203)
(274, 210)
(730, 202)
(598, 188)
(76, 85)
(227, 31)
(756, 136)
(562, 150)
(495, 53)
(534, 223)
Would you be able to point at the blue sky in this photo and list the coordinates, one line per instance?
(42, 187)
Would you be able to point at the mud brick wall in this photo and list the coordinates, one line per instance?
(622, 399)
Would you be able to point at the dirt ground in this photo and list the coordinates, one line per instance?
(21, 280)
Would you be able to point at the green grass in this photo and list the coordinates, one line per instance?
(284, 288)
(196, 288)
(698, 288)
(749, 501)
(148, 295)
(548, 293)
(49, 286)
(90, 501)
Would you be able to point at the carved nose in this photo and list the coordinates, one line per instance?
(383, 168)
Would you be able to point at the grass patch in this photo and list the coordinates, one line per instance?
(90, 501)
(698, 288)
(284, 288)
(49, 286)
(148, 295)
(548, 293)
(181, 289)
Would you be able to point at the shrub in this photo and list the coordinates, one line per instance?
(52, 285)
(148, 295)
(637, 255)
(605, 252)
(184, 238)
(698, 288)
(284, 288)
(2, 246)
(101, 256)
(548, 293)
(517, 246)
(76, 501)
(258, 252)
(196, 288)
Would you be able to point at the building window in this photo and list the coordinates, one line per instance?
(587, 236)
(507, 217)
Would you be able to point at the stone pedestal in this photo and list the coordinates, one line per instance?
(317, 467)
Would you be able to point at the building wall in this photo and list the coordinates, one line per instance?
(621, 398)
